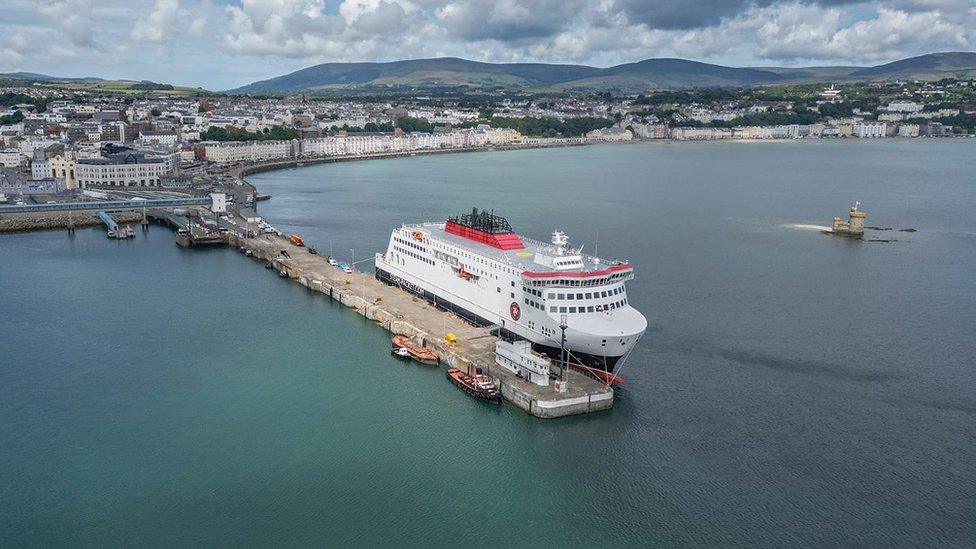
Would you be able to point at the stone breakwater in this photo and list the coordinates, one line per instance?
(405, 314)
(34, 222)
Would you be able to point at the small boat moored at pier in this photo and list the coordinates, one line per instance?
(418, 353)
(401, 352)
(478, 385)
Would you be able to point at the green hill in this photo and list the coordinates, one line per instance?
(650, 74)
(931, 66)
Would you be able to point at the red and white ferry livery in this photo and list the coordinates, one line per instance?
(476, 266)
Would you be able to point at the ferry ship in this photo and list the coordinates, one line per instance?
(478, 267)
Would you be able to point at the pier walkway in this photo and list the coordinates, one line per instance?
(106, 205)
(403, 313)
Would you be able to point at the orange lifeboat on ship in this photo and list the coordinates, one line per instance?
(602, 375)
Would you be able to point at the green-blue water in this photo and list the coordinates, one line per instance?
(794, 389)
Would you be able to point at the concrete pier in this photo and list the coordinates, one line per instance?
(405, 314)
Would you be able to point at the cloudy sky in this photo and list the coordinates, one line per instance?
(220, 44)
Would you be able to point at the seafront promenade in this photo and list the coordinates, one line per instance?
(242, 170)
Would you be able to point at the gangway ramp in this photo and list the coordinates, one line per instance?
(110, 223)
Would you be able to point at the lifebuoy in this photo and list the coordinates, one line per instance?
(515, 310)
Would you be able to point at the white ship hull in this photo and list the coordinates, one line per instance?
(490, 289)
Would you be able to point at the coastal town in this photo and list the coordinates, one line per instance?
(71, 139)
(587, 273)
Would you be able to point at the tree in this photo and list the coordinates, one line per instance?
(230, 133)
(412, 124)
(551, 127)
(16, 118)
(156, 112)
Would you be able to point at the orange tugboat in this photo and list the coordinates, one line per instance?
(420, 354)
(478, 385)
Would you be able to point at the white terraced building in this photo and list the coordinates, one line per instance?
(353, 144)
(123, 170)
(248, 151)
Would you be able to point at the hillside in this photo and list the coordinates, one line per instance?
(35, 77)
(449, 71)
(649, 74)
(931, 66)
(646, 75)
(445, 71)
(652, 74)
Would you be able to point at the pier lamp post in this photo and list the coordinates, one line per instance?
(562, 348)
(362, 283)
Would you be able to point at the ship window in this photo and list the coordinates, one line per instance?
(552, 308)
(561, 296)
(603, 294)
(572, 309)
(526, 300)
(499, 290)
(512, 294)
(589, 309)
(562, 309)
(513, 283)
(552, 295)
(579, 296)
(569, 296)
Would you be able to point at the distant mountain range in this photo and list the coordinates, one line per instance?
(650, 74)
(35, 77)
(642, 76)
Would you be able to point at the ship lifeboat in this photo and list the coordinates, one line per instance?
(465, 274)
(478, 386)
(602, 375)
(418, 353)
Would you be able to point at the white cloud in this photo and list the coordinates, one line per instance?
(805, 32)
(73, 18)
(160, 25)
(207, 41)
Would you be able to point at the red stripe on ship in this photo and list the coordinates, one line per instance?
(573, 274)
(506, 241)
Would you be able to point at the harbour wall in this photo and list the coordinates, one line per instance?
(404, 314)
(33, 222)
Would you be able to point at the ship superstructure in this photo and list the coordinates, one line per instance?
(478, 267)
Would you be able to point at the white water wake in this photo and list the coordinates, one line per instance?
(811, 227)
